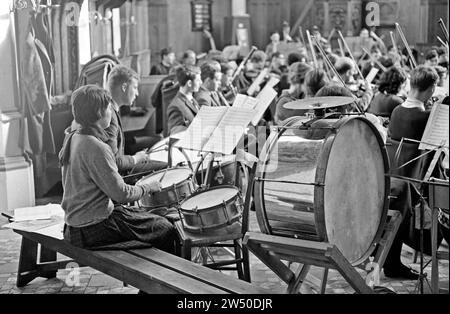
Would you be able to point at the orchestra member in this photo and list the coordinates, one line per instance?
(408, 121)
(386, 99)
(208, 94)
(166, 64)
(184, 107)
(91, 183)
(273, 46)
(286, 30)
(431, 58)
(189, 58)
(255, 65)
(297, 90)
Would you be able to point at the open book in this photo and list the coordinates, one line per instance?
(216, 129)
(436, 130)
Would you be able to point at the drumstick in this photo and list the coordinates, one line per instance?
(351, 55)
(164, 174)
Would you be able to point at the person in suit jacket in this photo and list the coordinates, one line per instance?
(209, 93)
(166, 64)
(184, 107)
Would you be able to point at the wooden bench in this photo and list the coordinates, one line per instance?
(150, 270)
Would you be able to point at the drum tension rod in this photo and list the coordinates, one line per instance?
(289, 182)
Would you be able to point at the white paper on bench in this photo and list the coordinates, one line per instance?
(38, 212)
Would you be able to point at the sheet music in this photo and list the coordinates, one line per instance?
(436, 130)
(37, 212)
(229, 131)
(273, 81)
(264, 98)
(373, 72)
(201, 128)
(259, 79)
(244, 101)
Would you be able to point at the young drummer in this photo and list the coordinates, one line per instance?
(92, 182)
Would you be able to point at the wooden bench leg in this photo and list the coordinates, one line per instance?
(27, 262)
(246, 262)
(48, 256)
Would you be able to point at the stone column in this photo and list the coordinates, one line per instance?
(16, 170)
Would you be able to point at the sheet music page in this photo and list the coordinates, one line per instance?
(264, 98)
(201, 128)
(436, 130)
(273, 81)
(244, 101)
(229, 131)
(259, 79)
(373, 72)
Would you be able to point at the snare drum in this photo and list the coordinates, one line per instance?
(176, 185)
(212, 209)
(325, 181)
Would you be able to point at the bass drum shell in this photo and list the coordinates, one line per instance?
(344, 196)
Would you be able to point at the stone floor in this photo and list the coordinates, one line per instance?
(94, 282)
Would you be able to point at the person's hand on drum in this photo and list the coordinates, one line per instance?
(152, 186)
(141, 156)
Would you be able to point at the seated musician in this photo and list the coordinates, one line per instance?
(189, 57)
(386, 99)
(255, 65)
(273, 46)
(91, 183)
(166, 64)
(209, 92)
(184, 107)
(346, 68)
(431, 58)
(227, 89)
(408, 121)
(297, 90)
(123, 86)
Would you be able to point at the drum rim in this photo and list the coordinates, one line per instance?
(198, 192)
(319, 191)
(169, 169)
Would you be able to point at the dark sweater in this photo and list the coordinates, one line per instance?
(91, 181)
(408, 123)
(383, 104)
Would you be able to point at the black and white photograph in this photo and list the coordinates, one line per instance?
(234, 154)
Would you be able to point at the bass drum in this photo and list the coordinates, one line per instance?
(325, 181)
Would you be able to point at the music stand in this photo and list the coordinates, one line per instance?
(437, 149)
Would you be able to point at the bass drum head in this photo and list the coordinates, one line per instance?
(352, 207)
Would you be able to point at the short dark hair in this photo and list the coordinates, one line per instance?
(186, 73)
(225, 67)
(89, 104)
(294, 57)
(209, 69)
(343, 65)
(423, 77)
(314, 81)
(188, 53)
(121, 74)
(298, 71)
(165, 52)
(391, 81)
(334, 90)
(258, 56)
(431, 54)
